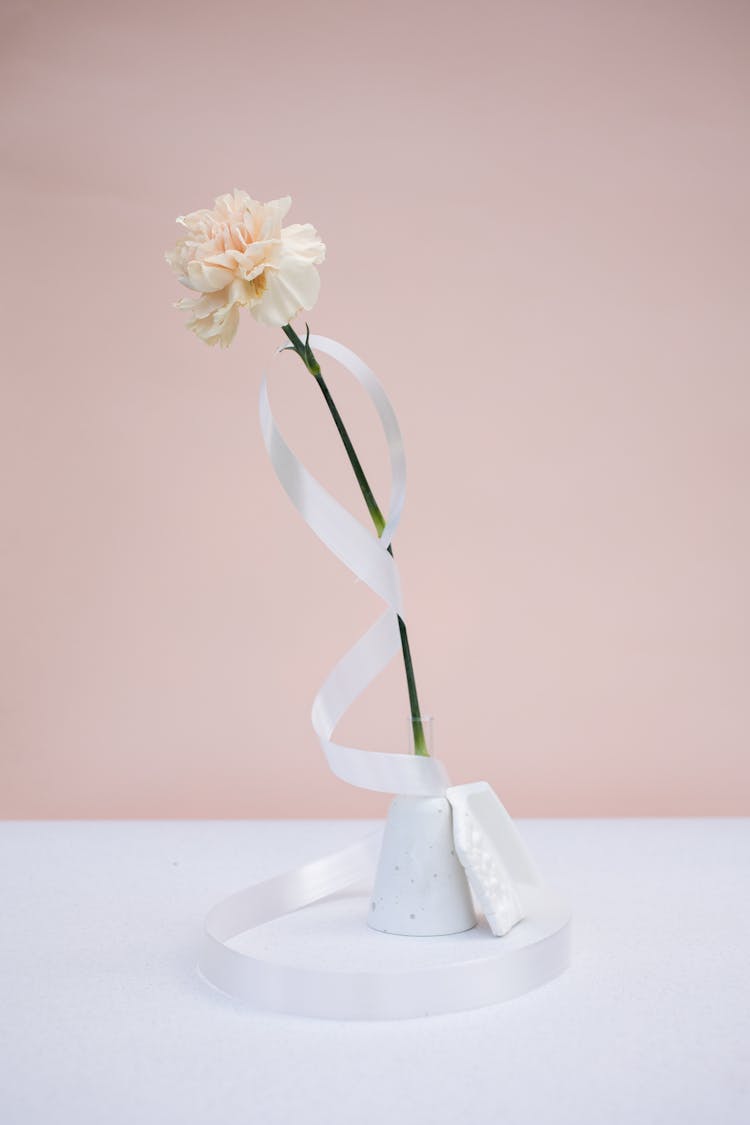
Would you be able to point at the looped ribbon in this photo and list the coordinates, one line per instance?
(378, 994)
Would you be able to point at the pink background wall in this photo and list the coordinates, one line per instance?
(537, 222)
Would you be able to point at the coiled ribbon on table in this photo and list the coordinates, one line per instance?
(346, 994)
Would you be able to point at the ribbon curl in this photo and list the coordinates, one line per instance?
(499, 972)
(369, 560)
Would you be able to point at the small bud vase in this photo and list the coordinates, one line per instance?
(420, 889)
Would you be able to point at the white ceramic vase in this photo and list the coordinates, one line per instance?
(420, 888)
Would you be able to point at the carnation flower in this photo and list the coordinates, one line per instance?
(239, 254)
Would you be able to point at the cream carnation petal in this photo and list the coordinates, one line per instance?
(271, 219)
(218, 327)
(255, 257)
(206, 278)
(248, 270)
(241, 292)
(303, 240)
(227, 206)
(186, 303)
(205, 304)
(295, 285)
(179, 257)
(230, 326)
(227, 260)
(279, 207)
(197, 222)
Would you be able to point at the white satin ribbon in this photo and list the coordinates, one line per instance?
(367, 557)
(500, 972)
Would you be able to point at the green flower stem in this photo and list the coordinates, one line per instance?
(305, 352)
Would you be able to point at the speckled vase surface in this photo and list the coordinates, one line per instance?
(420, 887)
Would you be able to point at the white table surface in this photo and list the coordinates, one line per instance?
(103, 1018)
